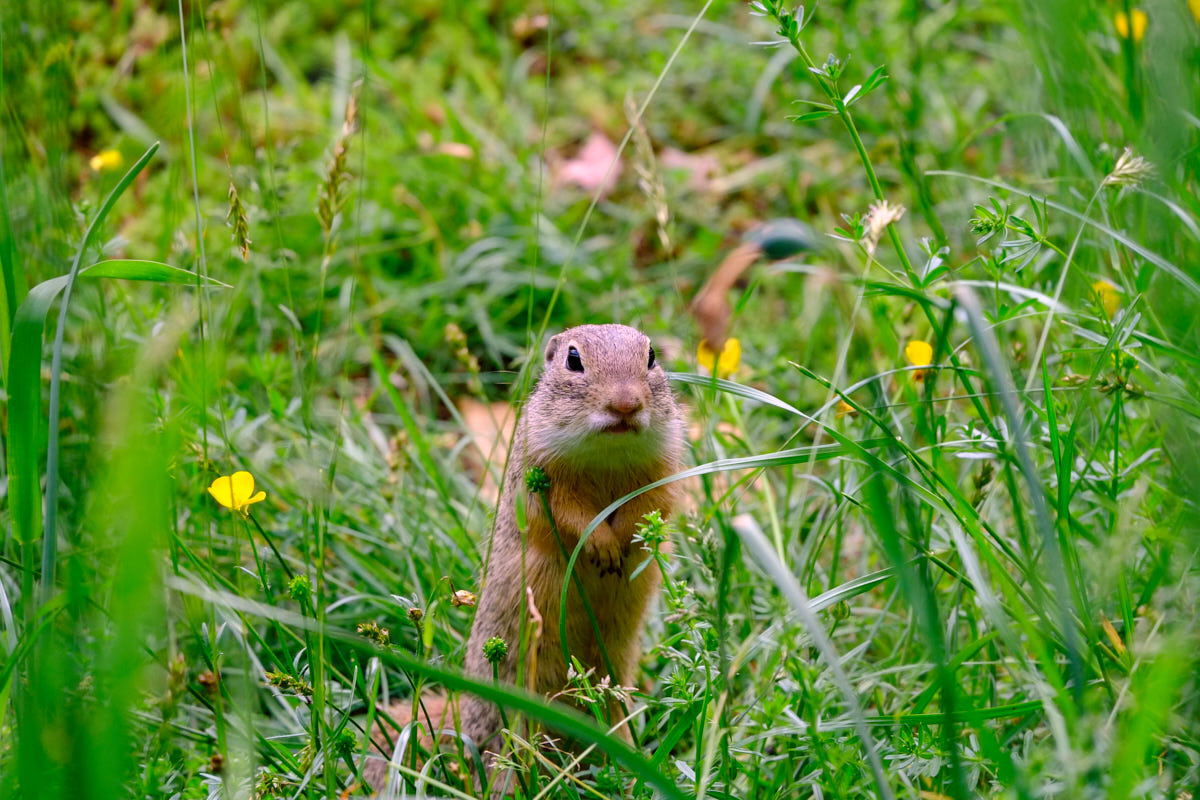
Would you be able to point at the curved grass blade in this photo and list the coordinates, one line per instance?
(24, 378)
(1005, 387)
(763, 552)
(851, 588)
(748, 392)
(798, 455)
(555, 715)
(49, 538)
(133, 269)
(12, 279)
(974, 715)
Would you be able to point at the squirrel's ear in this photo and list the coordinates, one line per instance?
(552, 346)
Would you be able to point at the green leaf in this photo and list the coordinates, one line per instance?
(556, 715)
(26, 426)
(49, 538)
(874, 80)
(851, 588)
(12, 278)
(143, 270)
(729, 387)
(974, 715)
(811, 116)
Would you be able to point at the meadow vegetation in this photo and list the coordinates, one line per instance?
(942, 534)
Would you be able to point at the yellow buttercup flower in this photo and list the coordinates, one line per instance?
(726, 363)
(1194, 5)
(1107, 294)
(106, 160)
(1139, 19)
(236, 492)
(919, 354)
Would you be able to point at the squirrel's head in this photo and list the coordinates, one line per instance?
(603, 399)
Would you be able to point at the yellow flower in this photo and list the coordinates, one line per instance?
(1194, 5)
(106, 160)
(919, 354)
(844, 409)
(236, 492)
(726, 363)
(1140, 20)
(1107, 294)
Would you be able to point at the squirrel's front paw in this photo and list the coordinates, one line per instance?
(603, 550)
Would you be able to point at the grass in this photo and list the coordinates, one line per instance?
(973, 576)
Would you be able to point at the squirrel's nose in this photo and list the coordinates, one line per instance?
(625, 403)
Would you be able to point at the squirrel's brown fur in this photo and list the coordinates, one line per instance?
(598, 434)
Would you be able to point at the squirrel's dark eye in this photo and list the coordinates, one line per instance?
(651, 364)
(574, 363)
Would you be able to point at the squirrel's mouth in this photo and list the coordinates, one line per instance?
(620, 426)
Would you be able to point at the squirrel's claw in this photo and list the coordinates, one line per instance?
(604, 552)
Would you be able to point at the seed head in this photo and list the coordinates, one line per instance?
(536, 480)
(345, 743)
(495, 649)
(376, 634)
(879, 216)
(300, 588)
(1130, 170)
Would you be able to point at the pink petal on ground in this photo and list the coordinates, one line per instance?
(588, 168)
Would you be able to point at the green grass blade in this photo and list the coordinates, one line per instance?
(12, 280)
(798, 455)
(49, 534)
(555, 715)
(851, 588)
(145, 270)
(25, 387)
(791, 589)
(1005, 387)
(969, 716)
(729, 387)
(1186, 280)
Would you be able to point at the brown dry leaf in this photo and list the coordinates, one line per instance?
(491, 427)
(588, 168)
(711, 305)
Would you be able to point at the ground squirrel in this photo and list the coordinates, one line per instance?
(601, 422)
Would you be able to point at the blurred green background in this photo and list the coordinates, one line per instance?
(391, 202)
